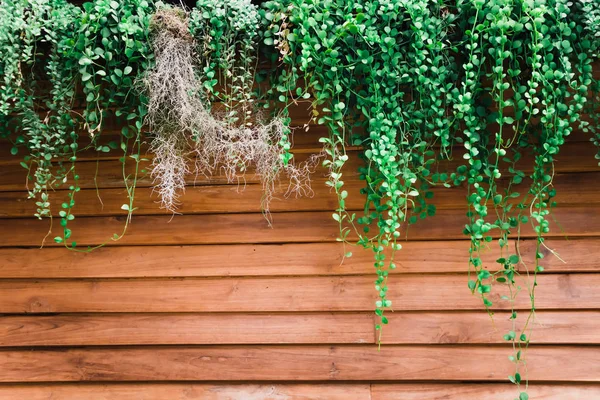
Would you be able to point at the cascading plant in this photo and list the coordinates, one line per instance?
(367, 70)
(45, 126)
(52, 51)
(500, 82)
(414, 85)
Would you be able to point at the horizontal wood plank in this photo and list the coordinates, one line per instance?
(351, 293)
(577, 255)
(296, 363)
(109, 174)
(574, 157)
(563, 255)
(215, 199)
(302, 141)
(280, 391)
(254, 228)
(186, 391)
(183, 329)
(487, 391)
(234, 260)
(572, 190)
(549, 327)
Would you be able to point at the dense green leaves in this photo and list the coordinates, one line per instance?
(411, 80)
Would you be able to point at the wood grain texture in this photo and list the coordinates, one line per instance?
(109, 174)
(296, 227)
(302, 142)
(351, 293)
(301, 139)
(186, 391)
(233, 260)
(574, 157)
(281, 391)
(577, 255)
(572, 189)
(550, 327)
(185, 329)
(211, 199)
(481, 391)
(295, 363)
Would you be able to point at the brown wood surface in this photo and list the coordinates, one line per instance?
(572, 189)
(302, 141)
(185, 391)
(283, 391)
(481, 391)
(459, 327)
(109, 174)
(185, 329)
(576, 255)
(298, 227)
(244, 311)
(238, 260)
(549, 327)
(574, 157)
(285, 294)
(297, 363)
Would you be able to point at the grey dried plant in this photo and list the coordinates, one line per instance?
(190, 139)
(172, 104)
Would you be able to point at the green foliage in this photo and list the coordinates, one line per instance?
(111, 50)
(413, 83)
(347, 57)
(227, 33)
(51, 50)
(420, 80)
(45, 127)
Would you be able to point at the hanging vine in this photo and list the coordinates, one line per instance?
(414, 85)
(45, 126)
(505, 80)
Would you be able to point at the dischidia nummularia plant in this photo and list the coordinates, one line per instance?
(414, 84)
(34, 40)
(96, 51)
(493, 81)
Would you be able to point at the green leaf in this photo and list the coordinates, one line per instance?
(518, 378)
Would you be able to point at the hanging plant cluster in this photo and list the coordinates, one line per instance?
(424, 82)
(413, 83)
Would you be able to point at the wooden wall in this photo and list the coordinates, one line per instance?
(215, 304)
